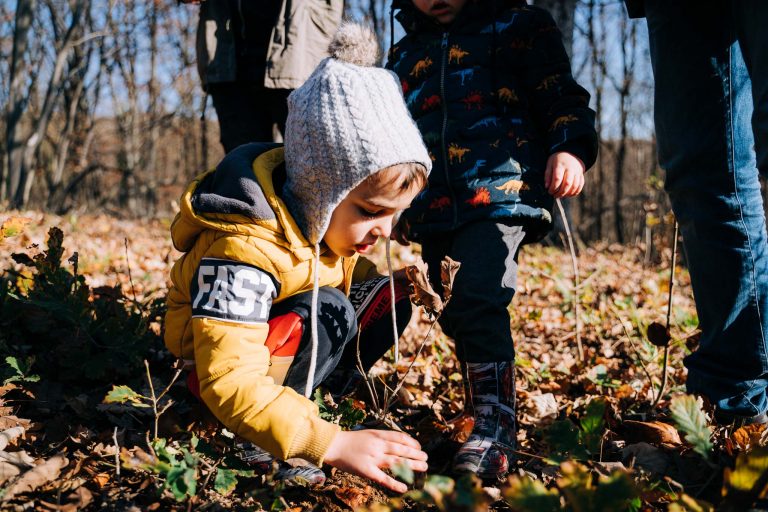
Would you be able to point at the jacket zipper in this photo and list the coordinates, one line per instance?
(443, 103)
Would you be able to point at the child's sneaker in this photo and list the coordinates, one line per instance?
(263, 462)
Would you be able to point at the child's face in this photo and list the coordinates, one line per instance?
(366, 214)
(444, 11)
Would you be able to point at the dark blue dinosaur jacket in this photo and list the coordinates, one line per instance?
(493, 96)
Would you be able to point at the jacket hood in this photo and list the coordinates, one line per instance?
(240, 197)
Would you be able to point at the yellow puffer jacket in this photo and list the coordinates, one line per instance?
(243, 252)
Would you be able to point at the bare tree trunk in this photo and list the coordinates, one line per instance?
(17, 99)
(150, 165)
(597, 45)
(623, 88)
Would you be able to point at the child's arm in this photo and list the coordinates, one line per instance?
(559, 104)
(230, 309)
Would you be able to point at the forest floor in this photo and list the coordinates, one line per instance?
(590, 436)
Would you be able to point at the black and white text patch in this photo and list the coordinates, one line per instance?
(232, 290)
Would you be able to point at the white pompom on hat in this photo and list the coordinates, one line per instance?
(345, 123)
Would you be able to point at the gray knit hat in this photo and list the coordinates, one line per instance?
(347, 122)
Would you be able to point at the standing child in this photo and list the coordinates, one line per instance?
(490, 87)
(271, 240)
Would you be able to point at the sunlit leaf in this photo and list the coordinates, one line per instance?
(225, 481)
(686, 503)
(688, 414)
(749, 476)
(123, 394)
(403, 471)
(576, 485)
(12, 226)
(616, 492)
(528, 495)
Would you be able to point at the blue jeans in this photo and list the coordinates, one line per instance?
(710, 63)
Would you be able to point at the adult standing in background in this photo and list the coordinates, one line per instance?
(251, 55)
(710, 64)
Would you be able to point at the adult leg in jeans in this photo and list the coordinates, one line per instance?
(703, 106)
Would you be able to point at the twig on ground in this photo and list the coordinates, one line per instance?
(117, 454)
(575, 291)
(212, 468)
(370, 385)
(156, 399)
(669, 316)
(401, 380)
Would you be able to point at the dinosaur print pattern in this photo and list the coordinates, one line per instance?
(456, 153)
(473, 99)
(547, 83)
(421, 67)
(456, 55)
(562, 121)
(490, 111)
(431, 103)
(482, 197)
(513, 186)
(465, 75)
(507, 95)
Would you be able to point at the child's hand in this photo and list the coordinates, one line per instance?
(564, 176)
(365, 452)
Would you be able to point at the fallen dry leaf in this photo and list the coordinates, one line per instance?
(422, 293)
(7, 422)
(10, 435)
(448, 270)
(101, 479)
(40, 475)
(748, 436)
(8, 471)
(543, 406)
(655, 432)
(462, 428)
(354, 497)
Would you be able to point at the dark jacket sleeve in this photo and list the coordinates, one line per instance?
(559, 105)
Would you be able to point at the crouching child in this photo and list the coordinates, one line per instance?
(271, 241)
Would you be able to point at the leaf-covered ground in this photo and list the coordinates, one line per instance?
(592, 434)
